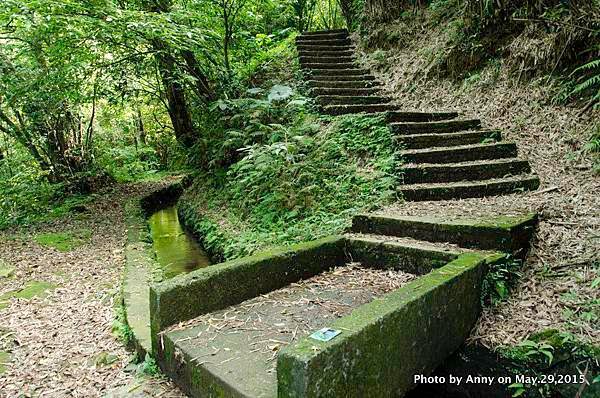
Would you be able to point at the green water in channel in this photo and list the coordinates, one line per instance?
(177, 251)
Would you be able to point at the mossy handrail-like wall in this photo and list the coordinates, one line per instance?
(384, 343)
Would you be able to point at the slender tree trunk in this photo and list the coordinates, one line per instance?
(202, 86)
(177, 105)
(176, 101)
(140, 127)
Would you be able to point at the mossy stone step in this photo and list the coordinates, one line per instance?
(462, 153)
(420, 141)
(345, 91)
(339, 65)
(307, 60)
(452, 172)
(403, 116)
(348, 53)
(504, 233)
(317, 41)
(321, 36)
(324, 32)
(469, 189)
(358, 108)
(305, 48)
(348, 99)
(343, 84)
(445, 126)
(339, 72)
(352, 78)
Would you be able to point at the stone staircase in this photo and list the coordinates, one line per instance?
(445, 156)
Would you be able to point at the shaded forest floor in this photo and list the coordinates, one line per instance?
(557, 288)
(57, 309)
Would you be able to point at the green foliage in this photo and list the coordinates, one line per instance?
(544, 349)
(25, 193)
(292, 175)
(65, 241)
(500, 278)
(271, 63)
(149, 367)
(589, 82)
(129, 163)
(592, 147)
(120, 328)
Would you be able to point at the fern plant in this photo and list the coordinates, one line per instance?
(589, 81)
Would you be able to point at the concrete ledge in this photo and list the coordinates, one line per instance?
(386, 342)
(510, 234)
(139, 263)
(416, 258)
(218, 286)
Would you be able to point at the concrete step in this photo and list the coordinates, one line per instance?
(448, 126)
(347, 109)
(452, 172)
(317, 41)
(469, 189)
(402, 116)
(326, 53)
(463, 153)
(321, 36)
(325, 60)
(339, 65)
(324, 32)
(339, 72)
(362, 91)
(350, 99)
(304, 49)
(505, 233)
(410, 255)
(355, 82)
(419, 141)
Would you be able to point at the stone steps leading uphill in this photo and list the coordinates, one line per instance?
(446, 156)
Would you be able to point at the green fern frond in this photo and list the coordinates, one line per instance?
(594, 64)
(587, 84)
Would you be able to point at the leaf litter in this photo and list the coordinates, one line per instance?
(61, 343)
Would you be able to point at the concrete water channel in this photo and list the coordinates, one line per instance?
(243, 328)
(176, 249)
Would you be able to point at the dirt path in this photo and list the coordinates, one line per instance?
(59, 343)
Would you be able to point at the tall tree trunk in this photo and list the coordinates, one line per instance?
(177, 105)
(176, 101)
(140, 128)
(202, 86)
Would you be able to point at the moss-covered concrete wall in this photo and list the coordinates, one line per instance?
(416, 259)
(383, 344)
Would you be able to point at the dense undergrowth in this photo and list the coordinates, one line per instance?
(296, 177)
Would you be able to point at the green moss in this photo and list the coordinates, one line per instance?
(505, 222)
(65, 241)
(105, 359)
(6, 271)
(373, 356)
(4, 360)
(30, 290)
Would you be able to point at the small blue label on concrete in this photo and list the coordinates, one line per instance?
(325, 334)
